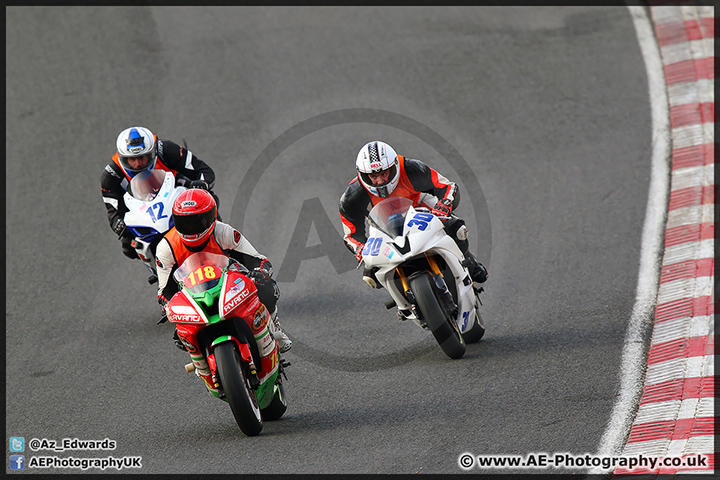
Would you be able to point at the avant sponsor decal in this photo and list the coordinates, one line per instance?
(186, 318)
(237, 298)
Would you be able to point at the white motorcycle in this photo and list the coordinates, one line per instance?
(149, 199)
(421, 267)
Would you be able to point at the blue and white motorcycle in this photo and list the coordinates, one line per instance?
(421, 267)
(149, 199)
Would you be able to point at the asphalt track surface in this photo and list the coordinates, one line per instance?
(540, 114)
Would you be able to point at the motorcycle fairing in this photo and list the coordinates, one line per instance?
(148, 218)
(184, 309)
(422, 233)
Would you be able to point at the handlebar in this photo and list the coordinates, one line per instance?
(236, 265)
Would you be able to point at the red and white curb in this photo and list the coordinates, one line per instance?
(676, 415)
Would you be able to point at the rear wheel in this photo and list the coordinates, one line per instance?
(238, 392)
(278, 406)
(444, 329)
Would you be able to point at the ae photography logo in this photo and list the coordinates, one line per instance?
(565, 460)
(287, 206)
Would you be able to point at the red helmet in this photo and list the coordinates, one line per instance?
(194, 213)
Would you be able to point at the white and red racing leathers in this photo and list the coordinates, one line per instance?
(225, 240)
(418, 182)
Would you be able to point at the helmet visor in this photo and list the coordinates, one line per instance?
(196, 223)
(392, 171)
(139, 163)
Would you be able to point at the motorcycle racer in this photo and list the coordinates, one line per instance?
(197, 229)
(382, 173)
(139, 150)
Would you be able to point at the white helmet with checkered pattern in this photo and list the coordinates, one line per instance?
(376, 157)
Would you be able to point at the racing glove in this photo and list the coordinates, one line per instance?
(162, 301)
(181, 180)
(358, 252)
(198, 184)
(443, 208)
(118, 226)
(265, 268)
(259, 275)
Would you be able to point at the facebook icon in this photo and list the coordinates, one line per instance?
(17, 462)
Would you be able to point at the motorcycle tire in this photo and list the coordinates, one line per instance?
(445, 330)
(238, 392)
(277, 406)
(476, 332)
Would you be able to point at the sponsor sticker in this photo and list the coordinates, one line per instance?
(234, 290)
(259, 319)
(235, 301)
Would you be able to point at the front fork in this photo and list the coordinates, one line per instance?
(445, 299)
(205, 367)
(245, 354)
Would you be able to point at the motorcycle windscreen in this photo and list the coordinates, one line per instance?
(388, 215)
(146, 185)
(201, 271)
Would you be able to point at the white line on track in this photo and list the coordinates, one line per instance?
(632, 363)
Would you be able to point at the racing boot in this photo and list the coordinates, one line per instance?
(283, 341)
(202, 370)
(209, 383)
(370, 278)
(477, 270)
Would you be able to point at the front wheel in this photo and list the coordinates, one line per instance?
(239, 394)
(444, 329)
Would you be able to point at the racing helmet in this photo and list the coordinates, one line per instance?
(375, 157)
(194, 213)
(136, 142)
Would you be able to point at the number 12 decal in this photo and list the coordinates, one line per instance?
(160, 207)
(421, 220)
